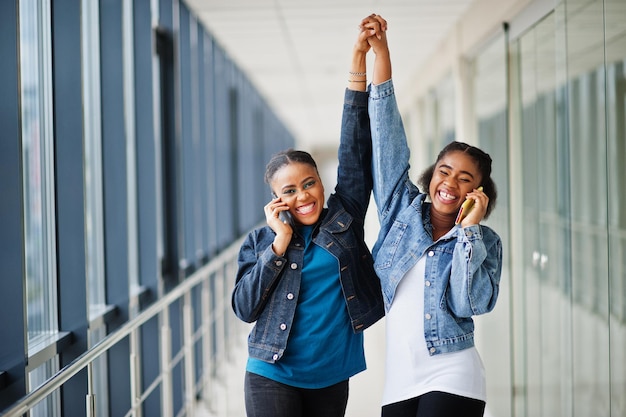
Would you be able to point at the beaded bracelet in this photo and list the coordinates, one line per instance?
(357, 74)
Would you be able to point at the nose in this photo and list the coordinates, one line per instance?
(450, 182)
(303, 195)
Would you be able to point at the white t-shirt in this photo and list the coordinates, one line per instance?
(410, 371)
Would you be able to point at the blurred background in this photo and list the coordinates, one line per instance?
(134, 140)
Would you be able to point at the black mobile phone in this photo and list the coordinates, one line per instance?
(285, 216)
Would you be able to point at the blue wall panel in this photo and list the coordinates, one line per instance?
(12, 357)
(68, 134)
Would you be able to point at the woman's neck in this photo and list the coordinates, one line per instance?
(441, 223)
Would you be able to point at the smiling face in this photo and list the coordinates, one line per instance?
(455, 174)
(300, 187)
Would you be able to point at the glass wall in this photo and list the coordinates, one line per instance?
(112, 203)
(544, 212)
(567, 84)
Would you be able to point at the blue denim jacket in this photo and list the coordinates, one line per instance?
(462, 268)
(267, 285)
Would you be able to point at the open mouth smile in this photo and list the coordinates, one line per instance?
(449, 198)
(306, 209)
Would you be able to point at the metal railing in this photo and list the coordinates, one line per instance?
(215, 333)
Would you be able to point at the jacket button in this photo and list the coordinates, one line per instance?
(294, 266)
(275, 357)
(283, 326)
(279, 263)
(427, 283)
(432, 350)
(290, 296)
(428, 316)
(431, 253)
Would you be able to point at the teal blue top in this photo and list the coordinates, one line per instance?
(322, 349)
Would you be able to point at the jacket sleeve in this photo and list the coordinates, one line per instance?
(259, 272)
(393, 190)
(476, 269)
(354, 173)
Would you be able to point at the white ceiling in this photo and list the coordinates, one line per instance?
(297, 52)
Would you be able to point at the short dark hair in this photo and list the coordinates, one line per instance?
(484, 167)
(286, 157)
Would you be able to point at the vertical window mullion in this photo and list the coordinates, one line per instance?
(94, 216)
(131, 161)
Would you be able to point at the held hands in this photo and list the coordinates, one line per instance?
(374, 32)
(368, 27)
(372, 35)
(282, 229)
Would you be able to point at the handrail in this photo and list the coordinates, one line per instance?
(67, 372)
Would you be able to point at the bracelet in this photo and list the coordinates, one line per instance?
(357, 74)
(357, 81)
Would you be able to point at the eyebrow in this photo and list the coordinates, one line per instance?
(452, 169)
(307, 179)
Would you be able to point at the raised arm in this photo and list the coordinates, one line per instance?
(390, 162)
(354, 175)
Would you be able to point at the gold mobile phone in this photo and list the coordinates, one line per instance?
(466, 207)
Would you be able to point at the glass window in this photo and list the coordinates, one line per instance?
(37, 150)
(93, 158)
(37, 377)
(586, 78)
(615, 56)
(570, 113)
(541, 293)
(39, 203)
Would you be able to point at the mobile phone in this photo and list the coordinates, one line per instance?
(466, 207)
(285, 216)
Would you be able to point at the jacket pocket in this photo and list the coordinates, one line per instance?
(389, 247)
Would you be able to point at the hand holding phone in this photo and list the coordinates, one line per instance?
(285, 216)
(466, 207)
(282, 224)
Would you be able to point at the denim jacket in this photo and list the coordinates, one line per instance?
(267, 286)
(463, 267)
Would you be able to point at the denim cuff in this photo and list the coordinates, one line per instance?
(381, 90)
(470, 233)
(356, 98)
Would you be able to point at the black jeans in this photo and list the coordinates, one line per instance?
(436, 404)
(268, 398)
